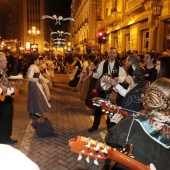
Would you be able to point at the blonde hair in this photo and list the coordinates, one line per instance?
(157, 97)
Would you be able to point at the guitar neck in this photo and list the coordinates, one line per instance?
(114, 109)
(127, 161)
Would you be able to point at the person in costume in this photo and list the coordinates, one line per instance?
(149, 131)
(37, 102)
(6, 105)
(113, 68)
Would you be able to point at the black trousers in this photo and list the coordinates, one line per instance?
(98, 111)
(6, 119)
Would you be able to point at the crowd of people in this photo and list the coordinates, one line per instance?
(139, 84)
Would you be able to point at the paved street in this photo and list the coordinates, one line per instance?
(69, 118)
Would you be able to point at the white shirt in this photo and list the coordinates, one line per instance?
(121, 75)
(34, 69)
(13, 159)
(10, 90)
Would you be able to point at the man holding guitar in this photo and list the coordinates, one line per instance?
(6, 106)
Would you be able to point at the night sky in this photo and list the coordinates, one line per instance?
(59, 8)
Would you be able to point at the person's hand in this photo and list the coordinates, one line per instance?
(40, 80)
(115, 78)
(152, 167)
(113, 82)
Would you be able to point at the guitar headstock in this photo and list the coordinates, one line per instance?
(93, 149)
(90, 148)
(97, 101)
(110, 108)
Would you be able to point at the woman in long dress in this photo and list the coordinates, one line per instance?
(37, 102)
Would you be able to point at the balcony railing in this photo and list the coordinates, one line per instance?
(134, 5)
(110, 20)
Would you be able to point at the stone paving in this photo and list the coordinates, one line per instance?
(69, 118)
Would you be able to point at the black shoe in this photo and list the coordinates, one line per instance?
(10, 142)
(92, 129)
(38, 115)
(32, 114)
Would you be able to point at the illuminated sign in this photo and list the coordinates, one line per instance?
(27, 46)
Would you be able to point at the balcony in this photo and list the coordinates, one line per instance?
(134, 6)
(110, 20)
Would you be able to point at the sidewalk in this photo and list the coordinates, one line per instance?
(69, 118)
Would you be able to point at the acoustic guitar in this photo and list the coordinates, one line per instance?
(109, 108)
(114, 112)
(99, 151)
(13, 95)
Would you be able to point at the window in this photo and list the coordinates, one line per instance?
(145, 37)
(127, 45)
(116, 43)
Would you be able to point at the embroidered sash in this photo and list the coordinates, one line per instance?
(155, 135)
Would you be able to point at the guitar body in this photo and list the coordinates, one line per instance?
(13, 95)
(16, 94)
(2, 97)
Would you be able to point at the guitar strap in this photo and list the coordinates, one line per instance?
(127, 139)
(4, 80)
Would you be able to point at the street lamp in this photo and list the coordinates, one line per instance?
(34, 32)
(157, 8)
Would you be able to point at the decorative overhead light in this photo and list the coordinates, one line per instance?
(58, 19)
(60, 33)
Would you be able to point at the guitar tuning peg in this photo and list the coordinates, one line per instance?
(96, 162)
(88, 159)
(111, 113)
(103, 110)
(105, 149)
(107, 111)
(79, 157)
(97, 146)
(88, 143)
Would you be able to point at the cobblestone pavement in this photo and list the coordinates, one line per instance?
(69, 118)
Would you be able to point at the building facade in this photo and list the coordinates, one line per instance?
(139, 25)
(17, 17)
(87, 14)
(32, 18)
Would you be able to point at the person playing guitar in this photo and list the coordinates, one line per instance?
(6, 106)
(148, 132)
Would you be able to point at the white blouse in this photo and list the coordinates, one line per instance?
(34, 69)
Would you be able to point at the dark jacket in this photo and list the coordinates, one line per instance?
(133, 100)
(145, 149)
